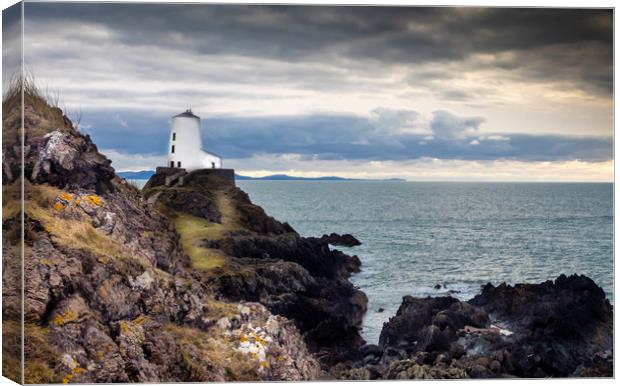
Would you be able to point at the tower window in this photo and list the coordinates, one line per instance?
(174, 136)
(171, 164)
(172, 151)
(178, 164)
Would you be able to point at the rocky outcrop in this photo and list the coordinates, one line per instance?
(54, 152)
(263, 260)
(67, 159)
(111, 294)
(560, 328)
(345, 240)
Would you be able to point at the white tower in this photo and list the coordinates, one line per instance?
(185, 149)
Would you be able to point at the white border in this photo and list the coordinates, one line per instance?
(482, 3)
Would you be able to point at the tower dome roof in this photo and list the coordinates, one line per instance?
(187, 114)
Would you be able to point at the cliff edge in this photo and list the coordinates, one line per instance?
(189, 283)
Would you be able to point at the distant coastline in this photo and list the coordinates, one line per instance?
(146, 174)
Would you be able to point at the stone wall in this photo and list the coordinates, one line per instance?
(211, 177)
(167, 176)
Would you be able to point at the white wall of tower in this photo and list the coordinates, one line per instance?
(185, 146)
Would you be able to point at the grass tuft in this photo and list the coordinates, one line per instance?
(44, 102)
(192, 231)
(204, 355)
(41, 205)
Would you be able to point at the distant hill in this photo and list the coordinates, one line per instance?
(141, 175)
(286, 177)
(146, 174)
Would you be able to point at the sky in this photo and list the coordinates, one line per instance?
(489, 94)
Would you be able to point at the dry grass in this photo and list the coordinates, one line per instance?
(192, 231)
(11, 353)
(41, 358)
(45, 102)
(11, 201)
(230, 217)
(208, 357)
(41, 205)
(217, 309)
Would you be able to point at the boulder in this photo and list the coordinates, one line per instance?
(345, 240)
(412, 316)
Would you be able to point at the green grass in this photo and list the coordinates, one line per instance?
(194, 229)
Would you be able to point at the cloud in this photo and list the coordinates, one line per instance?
(121, 121)
(132, 161)
(11, 43)
(526, 41)
(334, 84)
(446, 125)
(397, 120)
(347, 137)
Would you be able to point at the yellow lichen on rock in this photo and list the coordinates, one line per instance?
(93, 199)
(64, 317)
(66, 197)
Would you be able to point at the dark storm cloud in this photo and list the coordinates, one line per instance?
(344, 137)
(272, 79)
(557, 44)
(11, 43)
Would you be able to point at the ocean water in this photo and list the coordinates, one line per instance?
(460, 235)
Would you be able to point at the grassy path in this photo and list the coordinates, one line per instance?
(195, 230)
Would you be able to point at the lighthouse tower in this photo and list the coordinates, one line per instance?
(185, 149)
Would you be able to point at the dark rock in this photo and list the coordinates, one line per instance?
(392, 352)
(495, 366)
(479, 371)
(412, 316)
(437, 286)
(374, 372)
(461, 314)
(380, 309)
(67, 159)
(558, 328)
(370, 349)
(442, 359)
(370, 360)
(196, 203)
(558, 325)
(345, 240)
(432, 339)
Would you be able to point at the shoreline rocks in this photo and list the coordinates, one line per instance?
(345, 240)
(560, 328)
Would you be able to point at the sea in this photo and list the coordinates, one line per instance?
(458, 235)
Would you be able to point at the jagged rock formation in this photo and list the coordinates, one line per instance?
(345, 240)
(242, 253)
(561, 328)
(111, 294)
